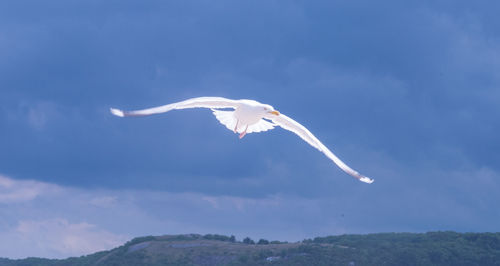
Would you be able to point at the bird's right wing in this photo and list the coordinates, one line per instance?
(292, 125)
(203, 102)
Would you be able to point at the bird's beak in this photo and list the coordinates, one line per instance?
(275, 112)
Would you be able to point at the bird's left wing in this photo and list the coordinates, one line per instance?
(204, 102)
(292, 125)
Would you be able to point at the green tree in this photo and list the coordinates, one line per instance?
(248, 240)
(262, 242)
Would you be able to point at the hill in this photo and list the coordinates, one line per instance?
(433, 248)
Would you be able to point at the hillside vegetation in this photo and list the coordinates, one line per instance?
(434, 248)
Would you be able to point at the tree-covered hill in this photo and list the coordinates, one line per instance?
(434, 248)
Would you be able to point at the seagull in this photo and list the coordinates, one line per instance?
(244, 117)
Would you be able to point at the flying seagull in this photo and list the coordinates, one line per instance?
(247, 116)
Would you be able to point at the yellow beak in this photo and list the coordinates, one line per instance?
(275, 112)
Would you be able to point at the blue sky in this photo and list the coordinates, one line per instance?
(406, 93)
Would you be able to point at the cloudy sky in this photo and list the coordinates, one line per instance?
(406, 93)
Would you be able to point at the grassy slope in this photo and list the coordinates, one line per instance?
(436, 248)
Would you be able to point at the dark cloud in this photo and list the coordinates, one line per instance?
(406, 93)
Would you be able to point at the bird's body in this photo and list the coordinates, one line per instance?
(246, 112)
(247, 116)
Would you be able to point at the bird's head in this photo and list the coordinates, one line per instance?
(268, 109)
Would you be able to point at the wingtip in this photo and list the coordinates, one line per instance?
(117, 112)
(366, 180)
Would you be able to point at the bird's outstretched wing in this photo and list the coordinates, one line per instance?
(204, 102)
(292, 125)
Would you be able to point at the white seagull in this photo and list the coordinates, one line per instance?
(247, 116)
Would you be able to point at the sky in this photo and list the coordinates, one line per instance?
(406, 93)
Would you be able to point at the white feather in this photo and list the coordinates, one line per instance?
(292, 125)
(200, 102)
(260, 126)
(226, 118)
(247, 116)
